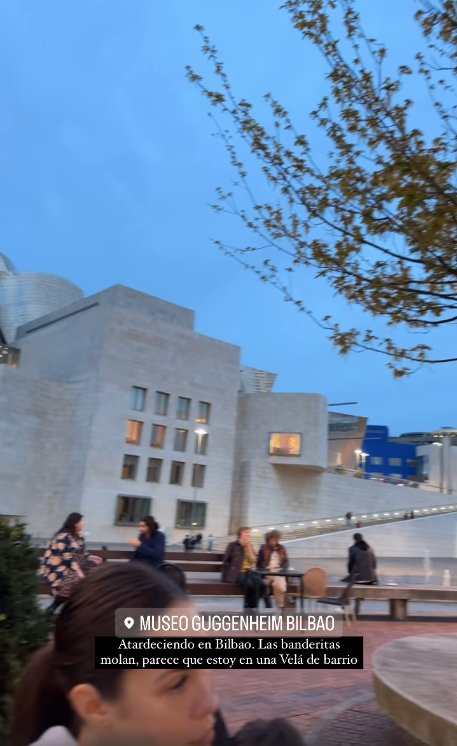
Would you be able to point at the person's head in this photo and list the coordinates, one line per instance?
(358, 537)
(274, 538)
(244, 535)
(73, 524)
(60, 686)
(175, 574)
(268, 733)
(148, 526)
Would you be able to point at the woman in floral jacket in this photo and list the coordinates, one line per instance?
(65, 560)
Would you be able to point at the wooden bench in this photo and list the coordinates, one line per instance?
(398, 596)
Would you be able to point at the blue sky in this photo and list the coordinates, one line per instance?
(108, 165)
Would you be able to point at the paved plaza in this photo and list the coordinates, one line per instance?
(330, 707)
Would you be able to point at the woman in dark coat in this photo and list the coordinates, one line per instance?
(150, 545)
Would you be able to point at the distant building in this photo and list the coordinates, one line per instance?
(391, 457)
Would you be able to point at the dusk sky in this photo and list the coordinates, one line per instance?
(108, 165)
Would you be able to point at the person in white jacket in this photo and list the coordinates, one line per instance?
(63, 700)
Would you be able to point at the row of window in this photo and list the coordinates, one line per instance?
(158, 434)
(130, 510)
(131, 464)
(378, 461)
(162, 405)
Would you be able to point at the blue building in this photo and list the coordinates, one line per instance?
(385, 458)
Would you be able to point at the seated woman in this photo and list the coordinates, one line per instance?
(273, 556)
(150, 545)
(63, 699)
(65, 561)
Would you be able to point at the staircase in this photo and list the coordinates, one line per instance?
(323, 526)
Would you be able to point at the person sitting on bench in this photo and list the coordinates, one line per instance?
(362, 562)
(273, 556)
(238, 566)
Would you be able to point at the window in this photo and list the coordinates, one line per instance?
(201, 444)
(376, 460)
(412, 463)
(203, 412)
(180, 440)
(130, 467)
(154, 470)
(134, 430)
(161, 403)
(190, 514)
(9, 356)
(176, 472)
(158, 436)
(285, 444)
(198, 475)
(395, 462)
(131, 510)
(137, 399)
(182, 409)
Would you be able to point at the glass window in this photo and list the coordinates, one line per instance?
(134, 430)
(201, 444)
(154, 470)
(198, 475)
(132, 509)
(376, 460)
(161, 403)
(203, 412)
(190, 514)
(130, 467)
(177, 472)
(183, 408)
(180, 440)
(137, 399)
(285, 444)
(412, 463)
(395, 462)
(158, 436)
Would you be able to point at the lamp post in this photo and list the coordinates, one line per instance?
(199, 433)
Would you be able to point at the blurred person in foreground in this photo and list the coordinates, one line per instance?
(62, 700)
(150, 545)
(273, 556)
(268, 733)
(362, 562)
(238, 566)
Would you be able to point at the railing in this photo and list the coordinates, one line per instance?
(361, 474)
(322, 526)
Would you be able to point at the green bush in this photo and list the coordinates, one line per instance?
(24, 627)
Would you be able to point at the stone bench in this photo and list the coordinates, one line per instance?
(414, 683)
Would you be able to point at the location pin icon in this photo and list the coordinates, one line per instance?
(128, 621)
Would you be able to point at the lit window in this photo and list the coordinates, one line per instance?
(177, 472)
(285, 444)
(198, 475)
(182, 408)
(203, 412)
(158, 436)
(154, 470)
(134, 430)
(161, 403)
(130, 467)
(395, 462)
(137, 399)
(190, 514)
(376, 460)
(180, 440)
(131, 510)
(201, 444)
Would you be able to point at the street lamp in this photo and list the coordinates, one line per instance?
(199, 433)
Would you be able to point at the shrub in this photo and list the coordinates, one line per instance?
(24, 626)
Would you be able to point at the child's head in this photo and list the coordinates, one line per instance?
(268, 733)
(60, 686)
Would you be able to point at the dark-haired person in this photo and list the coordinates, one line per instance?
(65, 561)
(238, 566)
(150, 545)
(273, 556)
(267, 733)
(62, 700)
(362, 562)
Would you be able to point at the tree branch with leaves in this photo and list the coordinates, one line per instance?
(377, 219)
